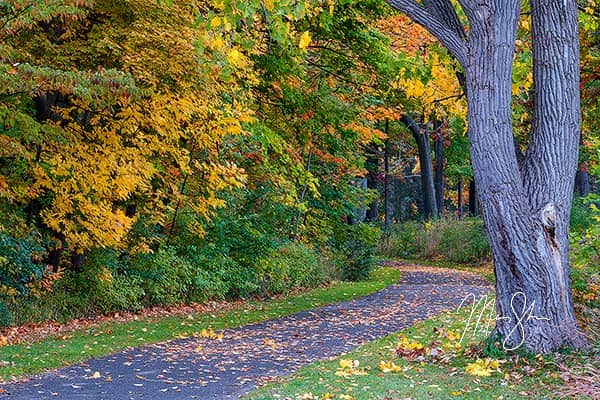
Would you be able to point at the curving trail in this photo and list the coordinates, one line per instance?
(199, 368)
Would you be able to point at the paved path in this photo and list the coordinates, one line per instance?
(200, 368)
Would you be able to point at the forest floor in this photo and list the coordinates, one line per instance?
(229, 363)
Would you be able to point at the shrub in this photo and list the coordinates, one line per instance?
(219, 274)
(20, 263)
(165, 277)
(463, 241)
(291, 266)
(356, 248)
(20, 266)
(585, 256)
(581, 215)
(404, 240)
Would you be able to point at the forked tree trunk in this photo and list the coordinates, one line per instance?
(526, 214)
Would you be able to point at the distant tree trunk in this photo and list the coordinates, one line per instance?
(77, 260)
(53, 258)
(459, 189)
(582, 181)
(473, 202)
(582, 178)
(439, 170)
(361, 213)
(389, 188)
(372, 166)
(426, 165)
(526, 211)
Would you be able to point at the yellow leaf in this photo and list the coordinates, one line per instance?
(215, 22)
(389, 367)
(235, 58)
(269, 5)
(96, 375)
(305, 40)
(482, 367)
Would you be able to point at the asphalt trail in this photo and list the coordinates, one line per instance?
(202, 368)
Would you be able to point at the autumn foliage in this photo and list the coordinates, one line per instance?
(170, 151)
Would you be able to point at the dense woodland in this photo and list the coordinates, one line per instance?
(160, 152)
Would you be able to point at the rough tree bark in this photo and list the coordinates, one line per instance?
(426, 165)
(526, 211)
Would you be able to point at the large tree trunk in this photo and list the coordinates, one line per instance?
(526, 212)
(527, 220)
(426, 166)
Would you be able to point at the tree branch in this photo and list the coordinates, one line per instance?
(444, 11)
(450, 39)
(468, 7)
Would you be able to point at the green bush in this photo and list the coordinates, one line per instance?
(20, 265)
(356, 249)
(404, 240)
(463, 241)
(165, 277)
(20, 262)
(585, 257)
(581, 215)
(291, 266)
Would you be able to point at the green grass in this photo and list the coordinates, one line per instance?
(421, 380)
(23, 359)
